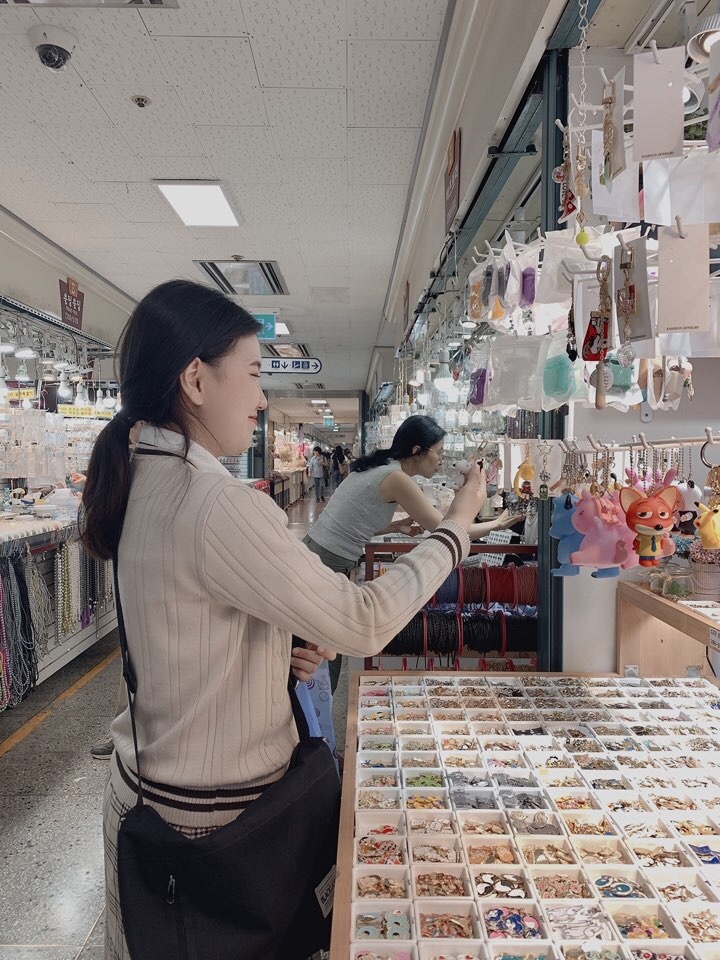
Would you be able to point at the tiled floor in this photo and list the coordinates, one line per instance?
(51, 859)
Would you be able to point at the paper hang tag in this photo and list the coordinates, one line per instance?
(639, 318)
(658, 108)
(683, 279)
(619, 200)
(713, 127)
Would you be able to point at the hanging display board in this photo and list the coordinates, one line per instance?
(452, 180)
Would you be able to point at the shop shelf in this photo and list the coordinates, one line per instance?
(444, 907)
(499, 870)
(366, 822)
(688, 877)
(449, 847)
(473, 823)
(400, 875)
(365, 907)
(457, 871)
(589, 848)
(432, 949)
(369, 778)
(527, 908)
(420, 822)
(632, 876)
(547, 874)
(648, 911)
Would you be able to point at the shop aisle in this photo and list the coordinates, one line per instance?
(51, 801)
(51, 812)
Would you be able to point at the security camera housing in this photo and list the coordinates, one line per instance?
(53, 45)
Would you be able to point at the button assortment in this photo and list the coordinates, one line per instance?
(525, 808)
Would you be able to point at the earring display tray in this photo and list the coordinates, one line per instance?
(594, 837)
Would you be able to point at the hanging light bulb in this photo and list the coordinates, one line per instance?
(64, 390)
(21, 374)
(417, 378)
(81, 397)
(7, 339)
(443, 379)
(25, 349)
(468, 323)
(109, 401)
(26, 404)
(3, 382)
(118, 402)
(425, 395)
(100, 401)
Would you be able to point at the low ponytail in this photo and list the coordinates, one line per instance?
(107, 489)
(416, 432)
(173, 325)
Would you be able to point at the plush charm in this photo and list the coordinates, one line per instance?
(651, 519)
(522, 485)
(563, 530)
(689, 493)
(607, 542)
(708, 526)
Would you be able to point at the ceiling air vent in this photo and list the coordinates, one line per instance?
(286, 349)
(245, 278)
(164, 4)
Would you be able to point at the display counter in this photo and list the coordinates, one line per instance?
(532, 815)
(663, 636)
(289, 487)
(71, 602)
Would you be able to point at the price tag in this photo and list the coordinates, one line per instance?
(714, 638)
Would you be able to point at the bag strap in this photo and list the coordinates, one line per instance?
(129, 674)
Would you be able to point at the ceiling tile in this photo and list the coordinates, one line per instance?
(99, 151)
(200, 18)
(246, 153)
(308, 123)
(389, 82)
(222, 64)
(283, 18)
(260, 204)
(381, 155)
(140, 202)
(30, 92)
(401, 20)
(179, 168)
(15, 21)
(332, 276)
(209, 104)
(321, 223)
(330, 254)
(300, 61)
(116, 100)
(112, 44)
(315, 181)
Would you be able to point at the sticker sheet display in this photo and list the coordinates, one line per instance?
(529, 817)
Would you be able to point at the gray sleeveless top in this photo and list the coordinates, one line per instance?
(355, 513)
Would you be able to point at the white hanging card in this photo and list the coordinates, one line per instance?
(697, 343)
(713, 128)
(656, 191)
(621, 199)
(658, 109)
(683, 279)
(640, 326)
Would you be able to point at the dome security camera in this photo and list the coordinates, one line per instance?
(53, 45)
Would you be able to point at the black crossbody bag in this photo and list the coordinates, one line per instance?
(258, 888)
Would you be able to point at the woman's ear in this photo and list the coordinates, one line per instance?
(416, 450)
(191, 383)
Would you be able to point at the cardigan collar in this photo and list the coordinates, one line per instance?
(159, 438)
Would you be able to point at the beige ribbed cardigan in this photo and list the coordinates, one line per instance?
(212, 586)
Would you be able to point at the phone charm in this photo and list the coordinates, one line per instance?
(626, 306)
(595, 345)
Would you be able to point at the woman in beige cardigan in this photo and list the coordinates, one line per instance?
(212, 583)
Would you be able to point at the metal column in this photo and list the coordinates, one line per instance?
(552, 424)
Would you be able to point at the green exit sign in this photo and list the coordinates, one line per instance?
(269, 322)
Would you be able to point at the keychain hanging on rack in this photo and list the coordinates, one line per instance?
(571, 348)
(595, 344)
(524, 478)
(626, 306)
(608, 132)
(562, 174)
(544, 475)
(580, 181)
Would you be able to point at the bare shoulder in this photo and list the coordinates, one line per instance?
(393, 485)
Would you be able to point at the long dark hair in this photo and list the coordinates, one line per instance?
(339, 454)
(417, 431)
(174, 324)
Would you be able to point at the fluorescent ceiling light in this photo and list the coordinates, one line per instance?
(318, 403)
(198, 203)
(281, 329)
